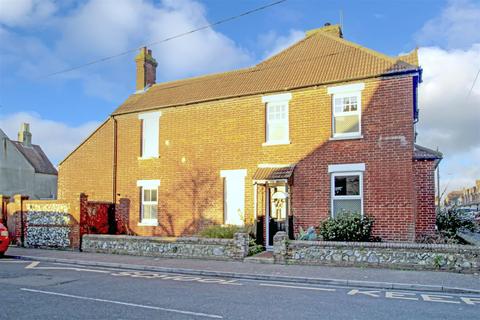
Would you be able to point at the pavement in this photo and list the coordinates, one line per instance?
(432, 281)
(48, 290)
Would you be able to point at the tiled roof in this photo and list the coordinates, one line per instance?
(36, 157)
(321, 57)
(424, 153)
(269, 174)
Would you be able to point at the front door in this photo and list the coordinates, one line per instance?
(276, 212)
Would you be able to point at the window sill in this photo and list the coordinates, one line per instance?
(148, 158)
(346, 138)
(275, 143)
(148, 223)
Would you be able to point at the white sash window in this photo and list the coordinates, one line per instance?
(149, 202)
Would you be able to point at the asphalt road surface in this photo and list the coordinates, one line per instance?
(38, 290)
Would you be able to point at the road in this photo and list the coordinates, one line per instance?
(39, 290)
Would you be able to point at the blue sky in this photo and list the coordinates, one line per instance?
(38, 37)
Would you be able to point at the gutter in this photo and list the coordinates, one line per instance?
(391, 74)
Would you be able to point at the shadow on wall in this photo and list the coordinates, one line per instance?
(192, 202)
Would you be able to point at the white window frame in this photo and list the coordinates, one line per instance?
(238, 175)
(343, 170)
(277, 100)
(148, 185)
(351, 90)
(154, 139)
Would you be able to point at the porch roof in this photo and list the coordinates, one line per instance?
(273, 173)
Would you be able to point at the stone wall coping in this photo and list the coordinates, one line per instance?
(100, 202)
(384, 245)
(193, 240)
(53, 201)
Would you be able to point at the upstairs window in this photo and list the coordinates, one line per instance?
(346, 110)
(277, 119)
(150, 134)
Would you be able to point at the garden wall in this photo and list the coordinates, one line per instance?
(59, 223)
(49, 224)
(192, 247)
(413, 256)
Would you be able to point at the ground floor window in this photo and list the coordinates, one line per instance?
(347, 189)
(148, 202)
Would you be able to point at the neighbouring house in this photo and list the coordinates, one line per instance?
(465, 197)
(24, 167)
(322, 128)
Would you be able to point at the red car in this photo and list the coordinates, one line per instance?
(4, 239)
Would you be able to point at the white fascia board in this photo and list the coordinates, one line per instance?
(233, 173)
(356, 87)
(150, 115)
(349, 167)
(148, 183)
(283, 97)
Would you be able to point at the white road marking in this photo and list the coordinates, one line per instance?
(471, 301)
(13, 261)
(296, 287)
(199, 314)
(437, 298)
(74, 269)
(32, 265)
(175, 277)
(371, 293)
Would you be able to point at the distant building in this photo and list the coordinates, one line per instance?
(465, 197)
(24, 167)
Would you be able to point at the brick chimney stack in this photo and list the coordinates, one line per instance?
(146, 69)
(24, 135)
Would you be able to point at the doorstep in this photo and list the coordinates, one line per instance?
(262, 257)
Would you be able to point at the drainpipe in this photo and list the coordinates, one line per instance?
(114, 164)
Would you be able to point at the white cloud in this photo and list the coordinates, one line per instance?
(99, 28)
(457, 27)
(25, 12)
(104, 27)
(448, 119)
(274, 43)
(450, 58)
(57, 139)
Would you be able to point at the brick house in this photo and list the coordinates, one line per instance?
(323, 127)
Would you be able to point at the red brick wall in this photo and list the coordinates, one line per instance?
(386, 149)
(424, 178)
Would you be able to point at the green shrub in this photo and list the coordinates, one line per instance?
(254, 248)
(347, 227)
(221, 232)
(451, 220)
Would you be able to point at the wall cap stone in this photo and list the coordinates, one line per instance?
(384, 245)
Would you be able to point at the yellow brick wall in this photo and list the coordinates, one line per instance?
(89, 168)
